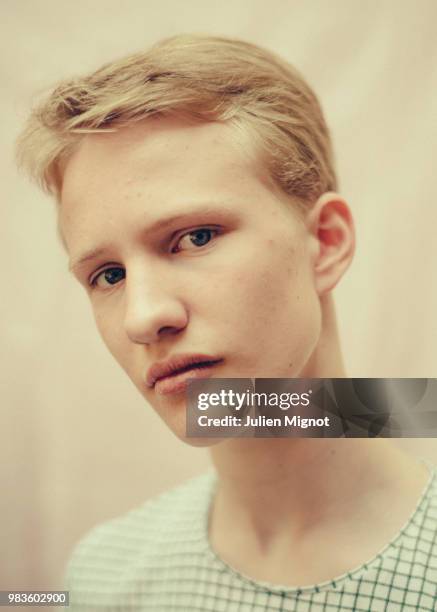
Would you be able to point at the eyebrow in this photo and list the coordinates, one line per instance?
(83, 259)
(161, 224)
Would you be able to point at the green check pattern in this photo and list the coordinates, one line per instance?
(158, 558)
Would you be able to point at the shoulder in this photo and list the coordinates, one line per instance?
(427, 506)
(141, 538)
(418, 549)
(419, 544)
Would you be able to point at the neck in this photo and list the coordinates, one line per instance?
(273, 485)
(303, 481)
(326, 360)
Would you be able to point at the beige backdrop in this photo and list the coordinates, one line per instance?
(78, 442)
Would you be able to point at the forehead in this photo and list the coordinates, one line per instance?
(156, 147)
(139, 174)
(161, 162)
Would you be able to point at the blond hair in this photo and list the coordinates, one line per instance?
(203, 78)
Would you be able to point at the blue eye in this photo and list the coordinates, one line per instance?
(108, 277)
(196, 238)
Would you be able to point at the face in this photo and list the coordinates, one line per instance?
(194, 264)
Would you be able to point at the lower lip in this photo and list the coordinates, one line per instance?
(178, 382)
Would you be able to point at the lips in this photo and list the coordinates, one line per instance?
(172, 376)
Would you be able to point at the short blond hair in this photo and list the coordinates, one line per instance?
(204, 78)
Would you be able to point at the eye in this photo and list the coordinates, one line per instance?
(107, 278)
(197, 238)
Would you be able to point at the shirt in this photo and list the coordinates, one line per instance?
(158, 557)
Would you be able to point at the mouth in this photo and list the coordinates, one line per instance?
(173, 377)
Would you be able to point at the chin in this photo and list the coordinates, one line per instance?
(200, 442)
(179, 428)
(175, 419)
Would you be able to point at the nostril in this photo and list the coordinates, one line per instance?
(167, 330)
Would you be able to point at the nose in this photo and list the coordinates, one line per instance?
(152, 310)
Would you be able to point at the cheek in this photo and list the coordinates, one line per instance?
(283, 299)
(274, 286)
(275, 311)
(112, 334)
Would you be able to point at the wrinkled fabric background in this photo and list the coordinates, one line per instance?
(78, 442)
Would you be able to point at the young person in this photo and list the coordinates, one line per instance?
(197, 203)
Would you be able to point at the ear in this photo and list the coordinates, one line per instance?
(331, 227)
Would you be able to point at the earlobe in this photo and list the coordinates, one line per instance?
(331, 225)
